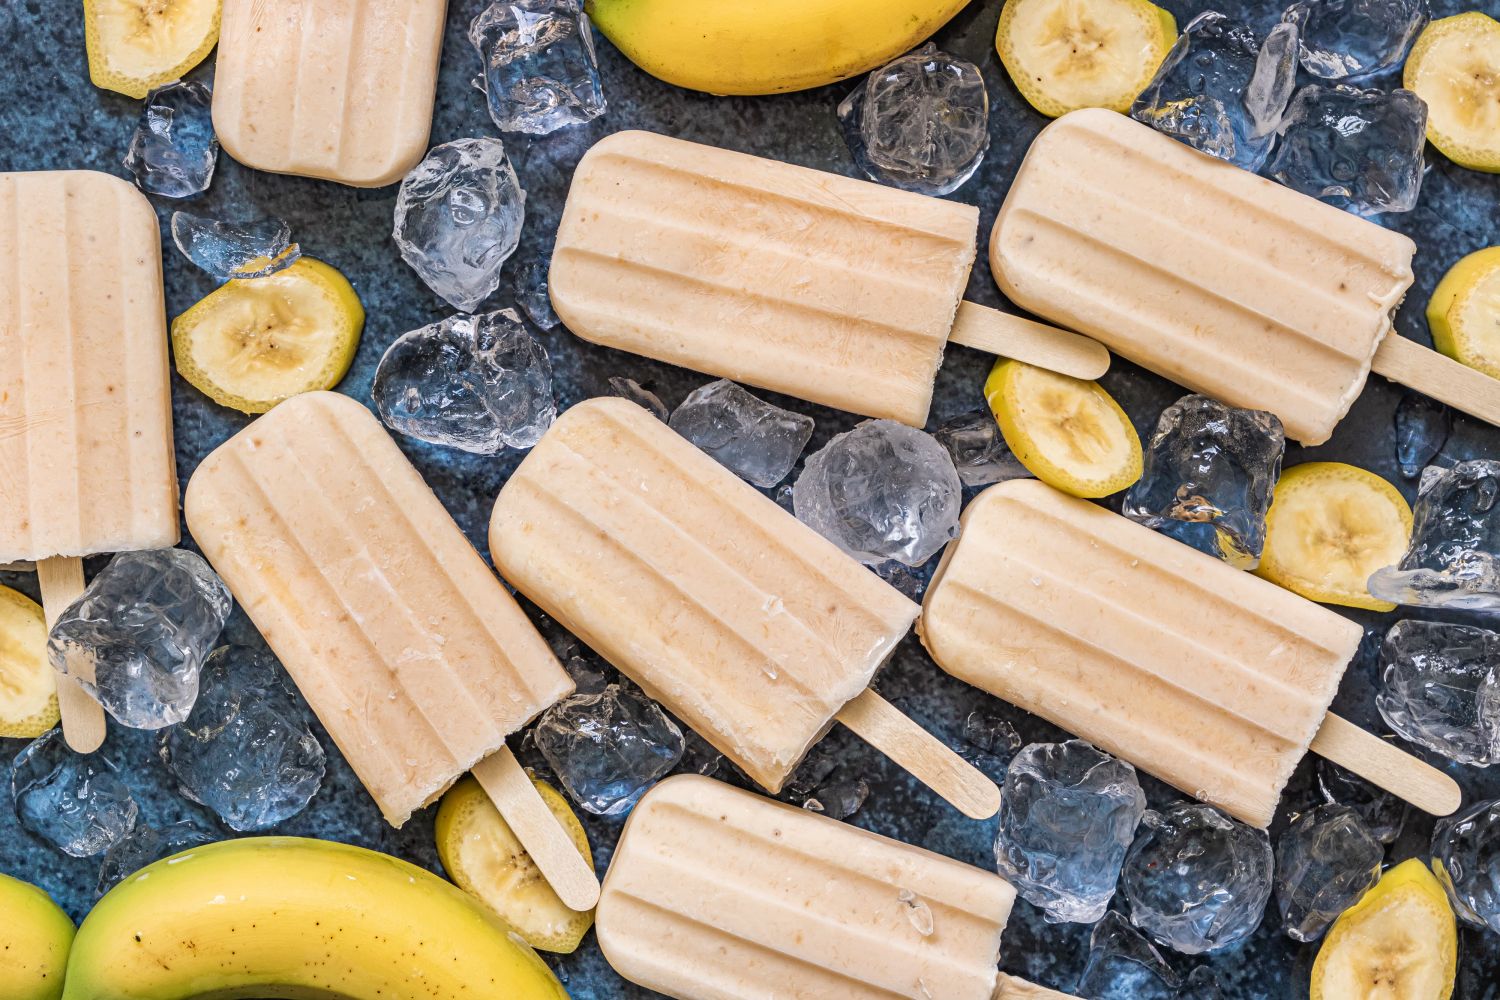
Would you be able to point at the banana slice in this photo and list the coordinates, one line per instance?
(255, 342)
(1399, 942)
(135, 45)
(484, 858)
(1330, 526)
(1464, 311)
(1069, 433)
(1069, 54)
(1455, 68)
(28, 693)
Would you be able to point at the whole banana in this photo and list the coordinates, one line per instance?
(286, 917)
(34, 940)
(768, 47)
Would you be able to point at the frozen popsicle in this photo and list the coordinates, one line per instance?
(1222, 281)
(337, 89)
(748, 625)
(86, 460)
(407, 647)
(836, 290)
(1212, 679)
(715, 893)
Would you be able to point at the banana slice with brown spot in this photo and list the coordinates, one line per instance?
(1455, 68)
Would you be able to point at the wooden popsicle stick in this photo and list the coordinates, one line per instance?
(1011, 988)
(1439, 376)
(1009, 336)
(881, 724)
(570, 874)
(1387, 765)
(61, 581)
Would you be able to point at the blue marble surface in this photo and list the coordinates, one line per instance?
(53, 118)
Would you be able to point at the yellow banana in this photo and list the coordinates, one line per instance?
(287, 917)
(34, 940)
(768, 47)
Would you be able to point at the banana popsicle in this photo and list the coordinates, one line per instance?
(836, 290)
(1212, 679)
(752, 628)
(404, 643)
(1222, 281)
(715, 893)
(85, 392)
(337, 89)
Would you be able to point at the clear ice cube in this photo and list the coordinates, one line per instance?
(75, 802)
(1383, 813)
(1348, 39)
(1067, 816)
(235, 249)
(477, 383)
(146, 845)
(530, 288)
(698, 756)
(629, 388)
(1123, 965)
(459, 217)
(608, 748)
(1466, 847)
(1325, 860)
(838, 799)
(1422, 428)
(141, 630)
(247, 751)
(881, 491)
(978, 449)
(1454, 557)
(756, 440)
(1208, 477)
(174, 149)
(1440, 688)
(1197, 880)
(540, 72)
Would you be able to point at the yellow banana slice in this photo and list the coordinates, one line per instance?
(1455, 68)
(28, 692)
(1069, 54)
(1330, 526)
(1399, 942)
(483, 856)
(1464, 311)
(135, 45)
(255, 342)
(1069, 433)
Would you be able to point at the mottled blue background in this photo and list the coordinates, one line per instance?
(51, 117)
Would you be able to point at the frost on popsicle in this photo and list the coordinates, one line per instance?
(1325, 861)
(1440, 688)
(540, 72)
(174, 149)
(1454, 557)
(75, 802)
(227, 250)
(756, 440)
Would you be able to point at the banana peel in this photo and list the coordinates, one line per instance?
(35, 936)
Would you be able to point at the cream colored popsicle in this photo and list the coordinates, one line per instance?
(86, 459)
(836, 290)
(1224, 282)
(748, 625)
(404, 643)
(1212, 679)
(337, 89)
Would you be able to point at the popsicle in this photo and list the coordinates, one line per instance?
(752, 628)
(85, 398)
(836, 290)
(715, 893)
(337, 89)
(407, 647)
(1222, 281)
(1212, 679)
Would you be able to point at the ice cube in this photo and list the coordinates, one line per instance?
(1067, 815)
(1325, 861)
(1422, 428)
(539, 72)
(978, 449)
(146, 845)
(1360, 150)
(755, 440)
(235, 249)
(608, 748)
(459, 217)
(1197, 880)
(991, 734)
(698, 755)
(174, 149)
(77, 803)
(1123, 965)
(1208, 477)
(137, 636)
(838, 799)
(1383, 813)
(881, 491)
(629, 388)
(531, 291)
(476, 383)
(1466, 847)
(1440, 688)
(590, 676)
(920, 122)
(247, 752)
(1347, 39)
(1454, 557)
(1222, 89)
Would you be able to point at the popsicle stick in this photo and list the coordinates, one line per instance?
(1025, 340)
(1439, 376)
(1387, 765)
(569, 873)
(1011, 988)
(881, 725)
(61, 581)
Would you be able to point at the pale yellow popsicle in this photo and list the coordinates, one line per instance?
(337, 89)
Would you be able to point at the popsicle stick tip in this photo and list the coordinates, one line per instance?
(1387, 766)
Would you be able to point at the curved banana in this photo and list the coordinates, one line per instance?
(768, 47)
(34, 940)
(287, 917)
